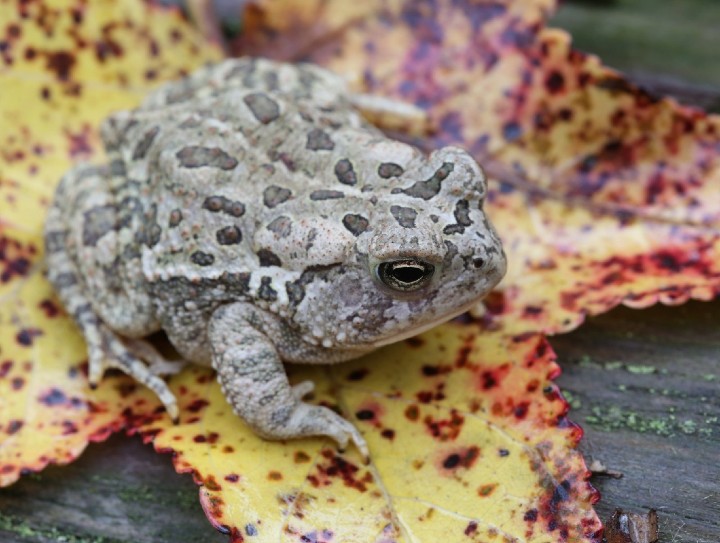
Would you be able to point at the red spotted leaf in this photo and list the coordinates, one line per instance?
(467, 433)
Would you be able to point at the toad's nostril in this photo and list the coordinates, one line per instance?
(478, 262)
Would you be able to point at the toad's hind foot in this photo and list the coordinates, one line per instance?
(394, 115)
(307, 420)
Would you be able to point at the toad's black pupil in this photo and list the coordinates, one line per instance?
(407, 274)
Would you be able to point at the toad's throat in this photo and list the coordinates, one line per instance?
(424, 327)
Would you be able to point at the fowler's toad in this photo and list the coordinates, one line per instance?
(253, 215)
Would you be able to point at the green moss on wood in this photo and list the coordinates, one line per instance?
(14, 525)
(613, 418)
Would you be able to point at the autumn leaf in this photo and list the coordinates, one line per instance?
(468, 436)
(602, 194)
(505, 450)
(66, 66)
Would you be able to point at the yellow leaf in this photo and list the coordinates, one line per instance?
(467, 433)
(47, 413)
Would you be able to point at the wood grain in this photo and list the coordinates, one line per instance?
(645, 387)
(118, 491)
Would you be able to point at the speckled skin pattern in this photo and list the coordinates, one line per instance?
(253, 215)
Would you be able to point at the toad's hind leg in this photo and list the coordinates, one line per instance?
(255, 384)
(80, 193)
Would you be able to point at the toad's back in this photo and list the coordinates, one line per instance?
(256, 173)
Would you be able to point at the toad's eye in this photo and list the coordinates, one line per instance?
(405, 275)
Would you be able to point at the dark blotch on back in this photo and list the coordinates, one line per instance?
(283, 157)
(462, 216)
(462, 213)
(281, 226)
(430, 188)
(386, 170)
(356, 224)
(130, 207)
(144, 144)
(152, 230)
(230, 235)
(345, 173)
(202, 259)
(175, 218)
(405, 216)
(274, 195)
(234, 208)
(310, 238)
(325, 194)
(242, 71)
(98, 222)
(453, 229)
(264, 108)
(216, 204)
(266, 292)
(318, 140)
(195, 156)
(268, 258)
(295, 292)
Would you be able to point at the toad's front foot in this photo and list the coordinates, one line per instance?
(108, 350)
(254, 382)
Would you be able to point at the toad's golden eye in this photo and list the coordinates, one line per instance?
(405, 275)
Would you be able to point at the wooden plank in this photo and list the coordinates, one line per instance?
(119, 491)
(645, 387)
(672, 37)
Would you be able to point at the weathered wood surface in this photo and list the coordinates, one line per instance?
(645, 385)
(118, 491)
(669, 45)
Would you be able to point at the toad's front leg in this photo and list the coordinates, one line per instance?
(254, 381)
